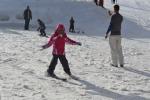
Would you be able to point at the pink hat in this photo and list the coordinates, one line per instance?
(60, 27)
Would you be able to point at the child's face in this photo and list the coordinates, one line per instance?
(61, 31)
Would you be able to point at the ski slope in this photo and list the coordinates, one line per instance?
(23, 64)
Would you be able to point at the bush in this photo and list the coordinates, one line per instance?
(4, 17)
(20, 17)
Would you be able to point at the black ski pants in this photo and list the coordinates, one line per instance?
(71, 28)
(26, 26)
(64, 62)
(42, 31)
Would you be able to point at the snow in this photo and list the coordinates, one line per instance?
(23, 64)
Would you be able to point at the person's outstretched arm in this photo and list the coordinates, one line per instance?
(109, 28)
(51, 40)
(72, 42)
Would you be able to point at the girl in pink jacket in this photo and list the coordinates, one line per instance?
(58, 40)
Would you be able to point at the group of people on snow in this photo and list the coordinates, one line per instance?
(28, 17)
(42, 27)
(59, 38)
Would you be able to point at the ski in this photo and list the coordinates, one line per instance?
(56, 77)
(74, 77)
(59, 78)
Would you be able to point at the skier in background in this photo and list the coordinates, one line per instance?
(27, 17)
(115, 38)
(58, 40)
(71, 28)
(41, 27)
(96, 2)
(101, 3)
(114, 1)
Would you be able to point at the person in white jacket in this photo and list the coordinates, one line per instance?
(115, 38)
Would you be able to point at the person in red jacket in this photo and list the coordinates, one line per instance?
(58, 40)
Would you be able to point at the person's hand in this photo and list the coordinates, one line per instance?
(41, 49)
(44, 46)
(79, 43)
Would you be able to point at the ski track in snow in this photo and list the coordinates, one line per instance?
(23, 66)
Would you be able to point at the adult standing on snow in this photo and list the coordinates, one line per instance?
(96, 2)
(27, 17)
(101, 3)
(115, 38)
(71, 28)
(114, 1)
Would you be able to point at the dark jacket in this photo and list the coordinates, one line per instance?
(115, 24)
(27, 14)
(71, 21)
(41, 25)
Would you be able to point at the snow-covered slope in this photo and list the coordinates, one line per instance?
(137, 20)
(86, 14)
(23, 64)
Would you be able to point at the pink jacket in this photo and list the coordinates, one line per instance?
(58, 41)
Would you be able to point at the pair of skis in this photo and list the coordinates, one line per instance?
(64, 79)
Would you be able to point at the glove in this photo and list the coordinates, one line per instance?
(79, 44)
(44, 46)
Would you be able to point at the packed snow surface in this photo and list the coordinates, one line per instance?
(23, 63)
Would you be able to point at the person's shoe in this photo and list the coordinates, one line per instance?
(114, 65)
(121, 65)
(74, 77)
(51, 74)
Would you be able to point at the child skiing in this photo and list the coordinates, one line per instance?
(41, 27)
(58, 40)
